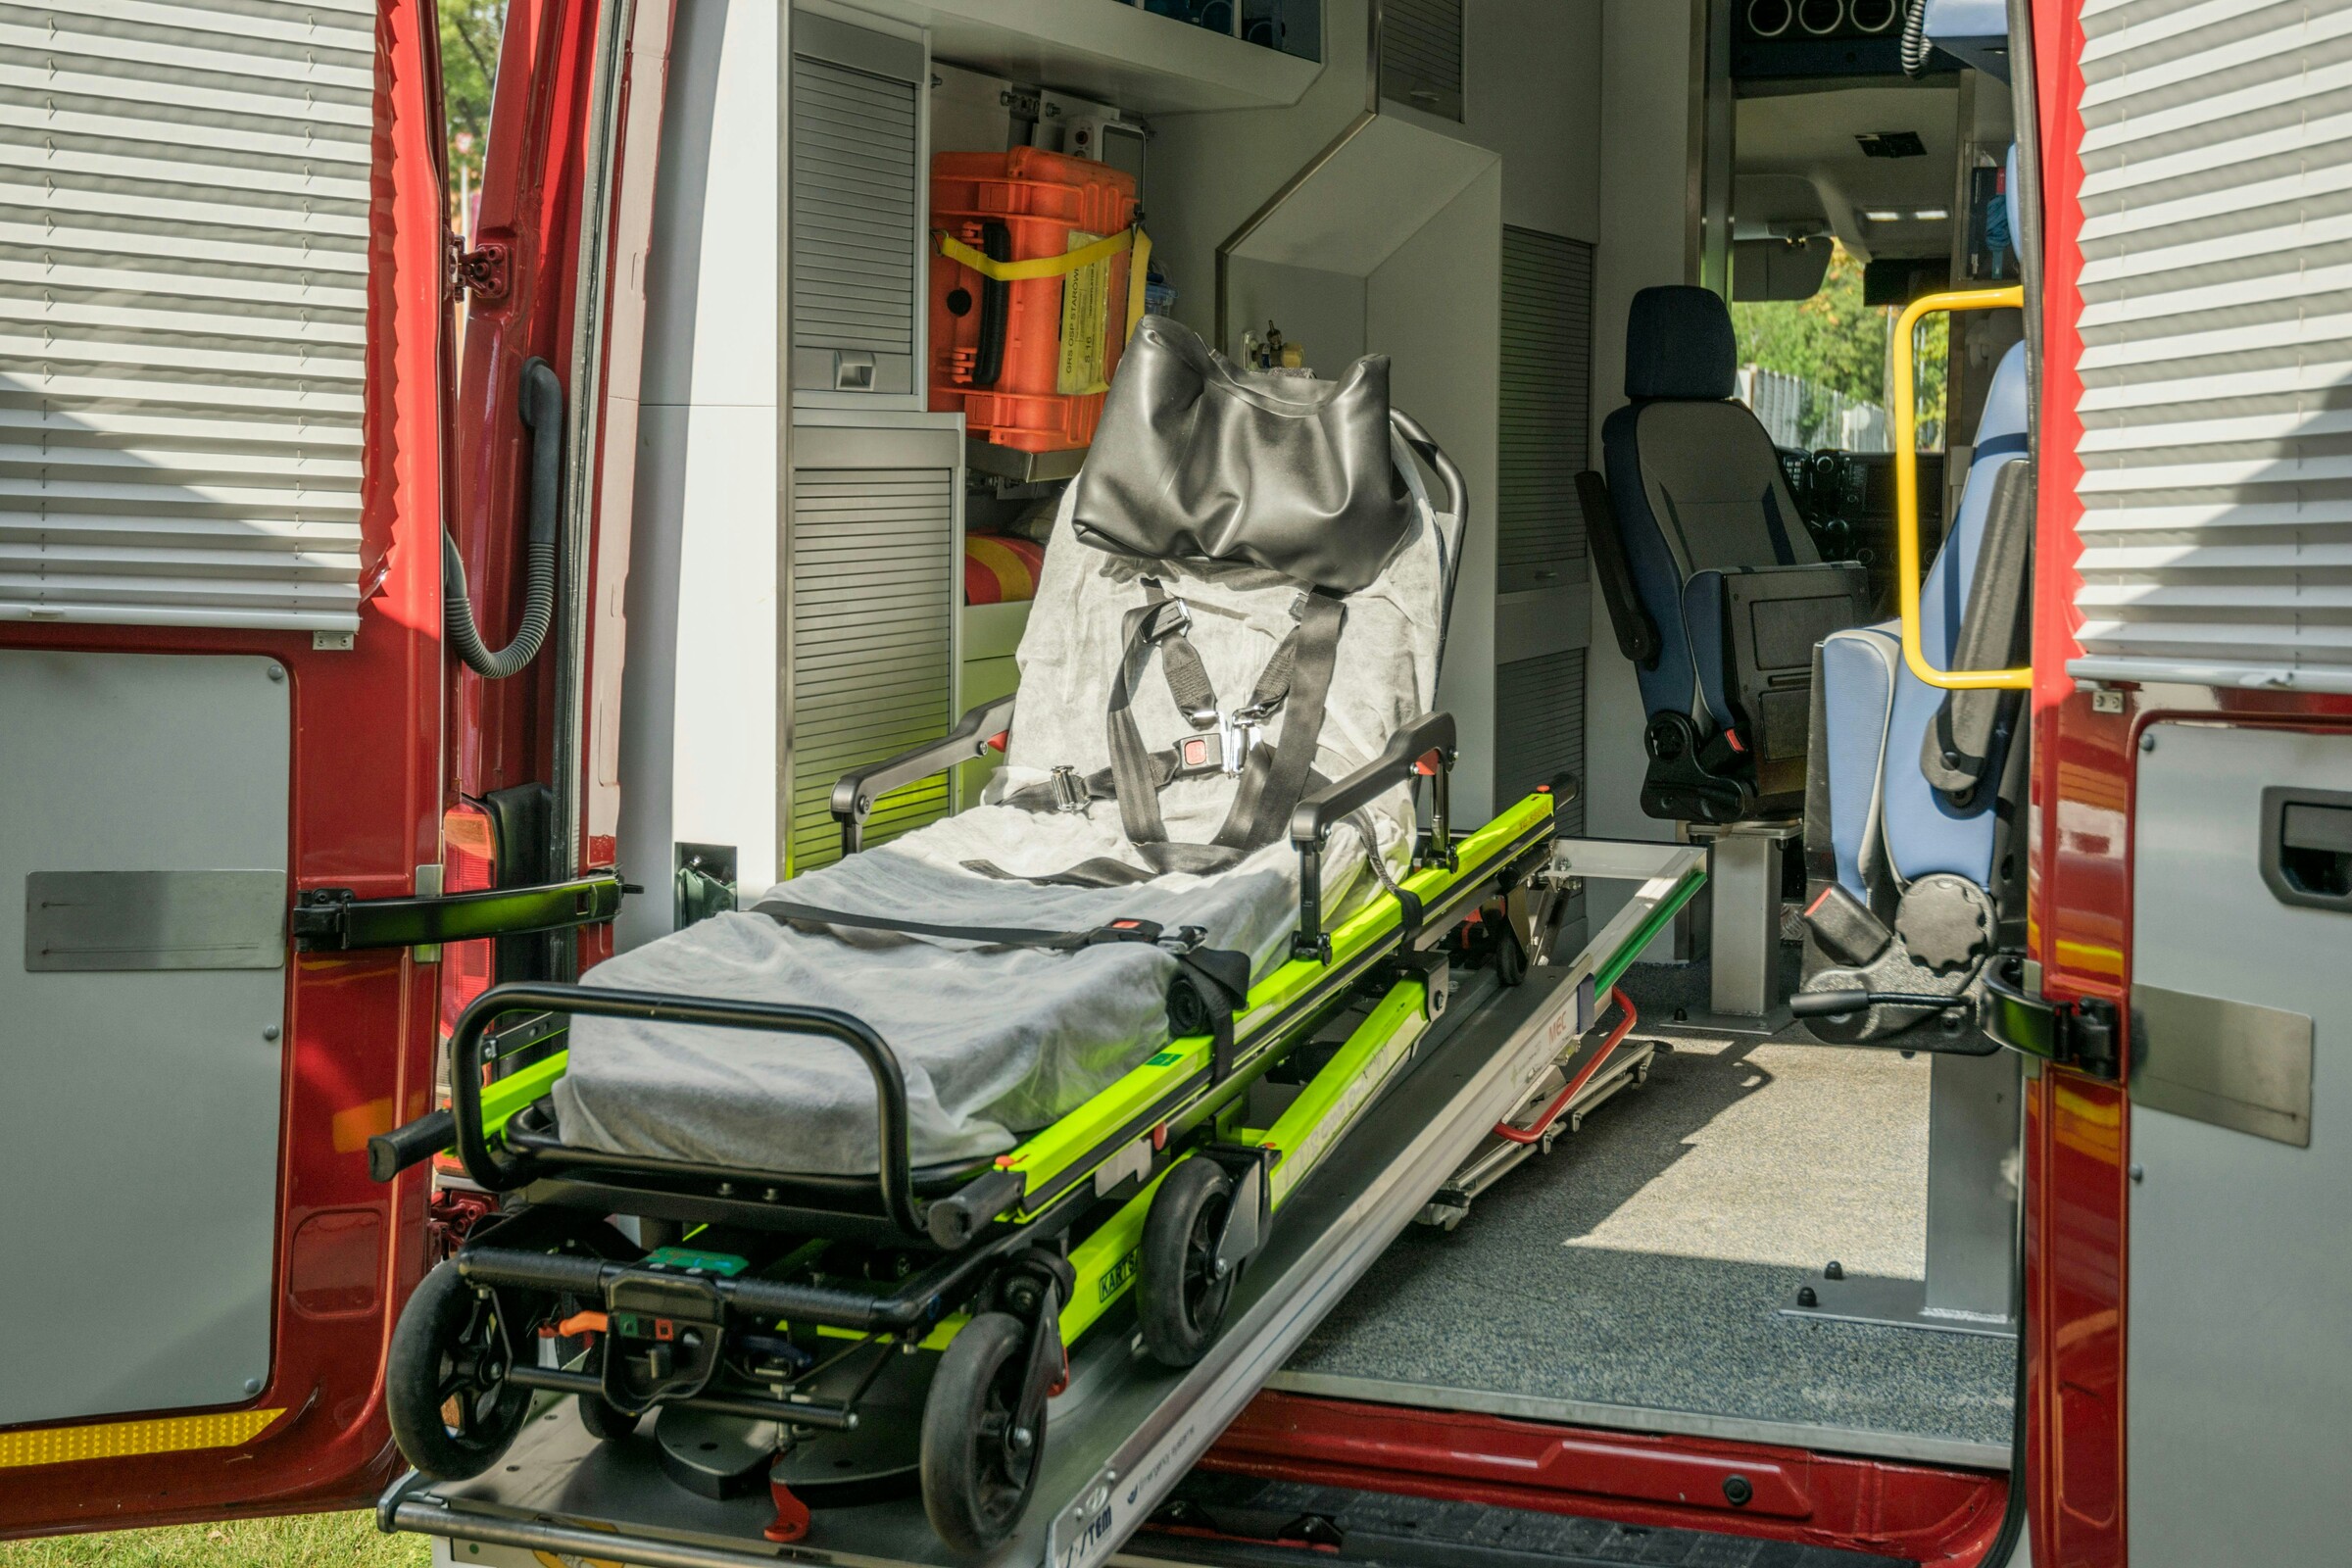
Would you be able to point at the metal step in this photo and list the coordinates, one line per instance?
(1230, 1521)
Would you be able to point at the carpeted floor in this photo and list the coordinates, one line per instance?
(1639, 1267)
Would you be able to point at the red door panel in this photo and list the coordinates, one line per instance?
(2079, 1156)
(365, 815)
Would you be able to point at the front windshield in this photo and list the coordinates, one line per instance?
(1815, 369)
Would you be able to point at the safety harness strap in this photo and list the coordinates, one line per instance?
(1276, 776)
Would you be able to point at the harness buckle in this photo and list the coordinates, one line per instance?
(1237, 735)
(1162, 628)
(1070, 793)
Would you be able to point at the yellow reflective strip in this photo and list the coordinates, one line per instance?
(117, 1440)
(1037, 267)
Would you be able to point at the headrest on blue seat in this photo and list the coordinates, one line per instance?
(1679, 344)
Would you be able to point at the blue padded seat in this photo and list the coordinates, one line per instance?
(1717, 556)
(1888, 824)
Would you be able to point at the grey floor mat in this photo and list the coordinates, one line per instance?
(1642, 1263)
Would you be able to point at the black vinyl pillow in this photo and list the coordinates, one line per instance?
(1197, 459)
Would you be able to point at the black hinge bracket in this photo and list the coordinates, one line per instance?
(480, 272)
(332, 920)
(2085, 1035)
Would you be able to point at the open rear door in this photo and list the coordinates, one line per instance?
(221, 278)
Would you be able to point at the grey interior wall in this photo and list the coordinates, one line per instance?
(1436, 306)
(698, 711)
(1534, 94)
(1208, 173)
(1644, 99)
(1323, 312)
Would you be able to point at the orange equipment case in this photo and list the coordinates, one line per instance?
(1027, 361)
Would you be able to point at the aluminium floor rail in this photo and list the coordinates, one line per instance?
(1126, 1430)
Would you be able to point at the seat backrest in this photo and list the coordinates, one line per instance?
(1696, 483)
(1926, 831)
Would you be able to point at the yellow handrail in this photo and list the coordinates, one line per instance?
(1906, 491)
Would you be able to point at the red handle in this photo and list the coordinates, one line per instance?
(1559, 1101)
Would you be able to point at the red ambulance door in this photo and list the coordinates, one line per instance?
(222, 283)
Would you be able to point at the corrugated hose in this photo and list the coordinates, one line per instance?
(540, 405)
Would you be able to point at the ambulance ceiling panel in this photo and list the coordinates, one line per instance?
(1801, 160)
(1099, 49)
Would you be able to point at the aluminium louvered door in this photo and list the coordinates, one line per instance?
(1421, 55)
(873, 599)
(2215, 327)
(858, 197)
(183, 267)
(1539, 733)
(1544, 440)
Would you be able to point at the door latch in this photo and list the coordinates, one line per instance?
(332, 920)
(480, 272)
(2085, 1035)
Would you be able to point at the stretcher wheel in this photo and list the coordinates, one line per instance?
(978, 1466)
(1179, 1295)
(605, 1423)
(1511, 959)
(446, 1392)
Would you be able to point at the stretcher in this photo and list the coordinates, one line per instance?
(824, 1295)
(1126, 1429)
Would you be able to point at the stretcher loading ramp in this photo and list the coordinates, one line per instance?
(1126, 1430)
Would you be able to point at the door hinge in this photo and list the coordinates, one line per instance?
(2085, 1035)
(332, 920)
(480, 272)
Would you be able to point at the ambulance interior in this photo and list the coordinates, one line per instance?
(1760, 1236)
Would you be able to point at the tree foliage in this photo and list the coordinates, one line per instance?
(469, 33)
(1836, 342)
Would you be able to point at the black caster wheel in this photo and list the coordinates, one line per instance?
(605, 1423)
(1511, 959)
(1179, 1295)
(446, 1392)
(979, 1466)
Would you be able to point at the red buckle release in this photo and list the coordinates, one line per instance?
(1428, 763)
(999, 740)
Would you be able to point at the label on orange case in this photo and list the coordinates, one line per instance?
(1084, 365)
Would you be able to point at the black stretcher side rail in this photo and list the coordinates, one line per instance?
(1423, 748)
(917, 1303)
(855, 791)
(895, 1178)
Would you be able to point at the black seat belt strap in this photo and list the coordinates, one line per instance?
(1276, 776)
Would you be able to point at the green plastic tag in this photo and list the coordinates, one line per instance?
(724, 1264)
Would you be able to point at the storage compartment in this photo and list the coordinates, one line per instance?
(1027, 362)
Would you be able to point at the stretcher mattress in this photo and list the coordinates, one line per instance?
(997, 1042)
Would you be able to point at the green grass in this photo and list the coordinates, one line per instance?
(299, 1540)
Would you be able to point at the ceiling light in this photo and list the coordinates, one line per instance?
(1882, 216)
(1929, 215)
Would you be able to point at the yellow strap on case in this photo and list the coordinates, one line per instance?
(1037, 267)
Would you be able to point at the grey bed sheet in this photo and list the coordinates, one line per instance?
(995, 1041)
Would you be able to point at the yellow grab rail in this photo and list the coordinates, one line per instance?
(1906, 490)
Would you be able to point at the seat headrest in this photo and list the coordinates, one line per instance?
(1679, 344)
